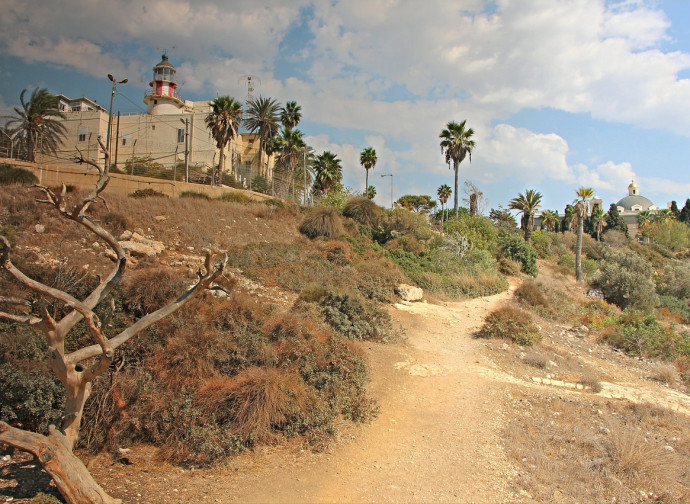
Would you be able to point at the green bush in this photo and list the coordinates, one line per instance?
(512, 246)
(364, 211)
(509, 267)
(626, 280)
(675, 280)
(642, 335)
(541, 241)
(356, 318)
(321, 222)
(12, 175)
(30, 399)
(478, 230)
(671, 234)
(510, 323)
(677, 306)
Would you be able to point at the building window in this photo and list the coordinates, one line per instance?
(82, 133)
(180, 135)
(76, 108)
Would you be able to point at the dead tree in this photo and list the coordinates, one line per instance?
(77, 370)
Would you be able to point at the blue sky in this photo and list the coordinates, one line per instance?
(560, 93)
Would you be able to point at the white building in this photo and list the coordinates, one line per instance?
(171, 129)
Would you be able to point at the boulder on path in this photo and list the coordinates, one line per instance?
(409, 292)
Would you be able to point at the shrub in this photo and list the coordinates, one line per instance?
(625, 280)
(591, 380)
(194, 194)
(531, 294)
(675, 306)
(234, 197)
(615, 238)
(364, 211)
(356, 318)
(399, 222)
(510, 323)
(675, 280)
(147, 290)
(259, 184)
(321, 222)
(541, 241)
(642, 335)
(12, 175)
(672, 234)
(32, 399)
(116, 223)
(509, 267)
(589, 267)
(479, 231)
(512, 246)
(147, 193)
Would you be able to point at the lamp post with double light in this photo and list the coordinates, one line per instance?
(110, 115)
(391, 176)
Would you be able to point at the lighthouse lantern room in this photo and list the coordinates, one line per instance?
(163, 96)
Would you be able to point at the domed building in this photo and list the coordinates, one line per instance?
(634, 202)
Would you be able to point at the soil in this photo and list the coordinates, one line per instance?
(445, 399)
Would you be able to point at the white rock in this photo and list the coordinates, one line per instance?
(409, 292)
(40, 228)
(126, 235)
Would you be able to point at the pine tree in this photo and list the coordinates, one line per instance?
(684, 215)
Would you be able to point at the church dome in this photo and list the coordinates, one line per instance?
(635, 203)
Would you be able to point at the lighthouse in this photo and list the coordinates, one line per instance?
(163, 97)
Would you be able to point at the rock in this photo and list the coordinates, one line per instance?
(160, 218)
(409, 292)
(126, 235)
(669, 448)
(40, 228)
(96, 245)
(595, 293)
(140, 248)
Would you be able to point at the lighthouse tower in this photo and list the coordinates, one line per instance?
(163, 97)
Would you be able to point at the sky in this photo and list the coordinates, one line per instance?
(560, 93)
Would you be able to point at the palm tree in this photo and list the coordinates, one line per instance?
(664, 215)
(456, 143)
(370, 192)
(443, 194)
(550, 220)
(290, 115)
(36, 124)
(644, 220)
(288, 149)
(262, 117)
(583, 195)
(224, 122)
(368, 159)
(329, 172)
(526, 204)
(599, 221)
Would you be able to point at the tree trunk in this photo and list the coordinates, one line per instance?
(72, 478)
(578, 249)
(455, 193)
(366, 183)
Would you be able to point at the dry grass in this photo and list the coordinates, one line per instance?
(511, 323)
(536, 360)
(666, 374)
(591, 380)
(582, 450)
(322, 222)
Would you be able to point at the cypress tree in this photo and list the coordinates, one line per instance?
(616, 221)
(684, 215)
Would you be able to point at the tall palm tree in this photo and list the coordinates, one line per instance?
(550, 220)
(329, 172)
(583, 195)
(599, 221)
(456, 143)
(443, 194)
(527, 204)
(224, 122)
(36, 123)
(290, 115)
(367, 159)
(262, 116)
(288, 149)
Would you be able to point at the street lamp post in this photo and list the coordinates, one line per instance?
(110, 116)
(391, 176)
(186, 148)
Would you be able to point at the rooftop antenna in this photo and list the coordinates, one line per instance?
(250, 81)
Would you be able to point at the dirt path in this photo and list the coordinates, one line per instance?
(437, 437)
